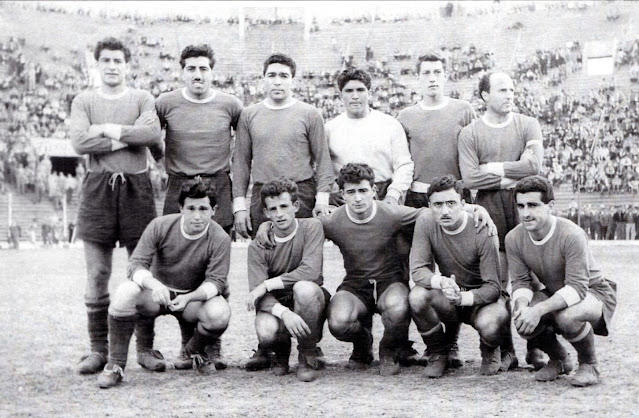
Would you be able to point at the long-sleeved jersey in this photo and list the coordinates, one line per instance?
(473, 257)
(272, 143)
(198, 133)
(368, 246)
(432, 134)
(377, 140)
(482, 142)
(295, 258)
(95, 108)
(180, 261)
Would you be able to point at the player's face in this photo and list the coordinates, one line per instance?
(448, 208)
(113, 67)
(278, 82)
(197, 213)
(197, 75)
(534, 214)
(359, 198)
(432, 78)
(355, 98)
(281, 211)
(501, 98)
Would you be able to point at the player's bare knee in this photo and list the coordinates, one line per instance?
(216, 313)
(125, 299)
(567, 320)
(307, 293)
(418, 299)
(267, 328)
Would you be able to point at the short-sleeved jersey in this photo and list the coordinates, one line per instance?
(432, 134)
(272, 143)
(198, 132)
(472, 256)
(368, 246)
(95, 108)
(482, 142)
(180, 261)
(561, 259)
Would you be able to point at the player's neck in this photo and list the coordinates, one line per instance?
(455, 228)
(545, 230)
(496, 118)
(433, 101)
(286, 233)
(362, 115)
(270, 103)
(113, 90)
(197, 98)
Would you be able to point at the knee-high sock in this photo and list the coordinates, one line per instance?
(121, 330)
(584, 343)
(144, 333)
(548, 343)
(200, 339)
(186, 330)
(98, 325)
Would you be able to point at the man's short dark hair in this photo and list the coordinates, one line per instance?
(197, 190)
(354, 173)
(279, 58)
(194, 51)
(276, 187)
(484, 84)
(535, 184)
(430, 56)
(111, 44)
(353, 74)
(440, 184)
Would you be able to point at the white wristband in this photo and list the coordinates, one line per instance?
(321, 198)
(139, 276)
(278, 310)
(274, 284)
(436, 281)
(239, 203)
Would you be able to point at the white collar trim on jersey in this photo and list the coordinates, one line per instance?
(293, 101)
(289, 236)
(461, 227)
(548, 236)
(362, 221)
(436, 107)
(498, 125)
(113, 96)
(192, 100)
(192, 237)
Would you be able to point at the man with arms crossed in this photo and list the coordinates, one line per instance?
(467, 290)
(494, 152)
(577, 302)
(280, 136)
(285, 282)
(179, 267)
(432, 127)
(114, 125)
(199, 122)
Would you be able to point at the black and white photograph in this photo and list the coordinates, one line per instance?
(319, 208)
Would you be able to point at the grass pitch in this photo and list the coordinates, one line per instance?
(43, 335)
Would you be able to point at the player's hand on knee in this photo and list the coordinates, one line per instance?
(159, 292)
(254, 295)
(295, 324)
(264, 236)
(179, 303)
(527, 320)
(242, 223)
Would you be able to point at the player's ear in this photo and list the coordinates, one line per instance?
(213, 211)
(296, 205)
(551, 205)
(375, 190)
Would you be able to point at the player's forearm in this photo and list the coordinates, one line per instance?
(205, 291)
(83, 143)
(140, 134)
(554, 303)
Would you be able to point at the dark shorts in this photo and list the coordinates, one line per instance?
(606, 292)
(306, 197)
(502, 208)
(115, 208)
(468, 314)
(285, 297)
(222, 184)
(369, 291)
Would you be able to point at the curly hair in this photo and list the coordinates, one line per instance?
(111, 44)
(354, 173)
(194, 51)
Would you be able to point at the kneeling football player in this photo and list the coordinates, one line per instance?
(577, 302)
(468, 287)
(179, 267)
(285, 285)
